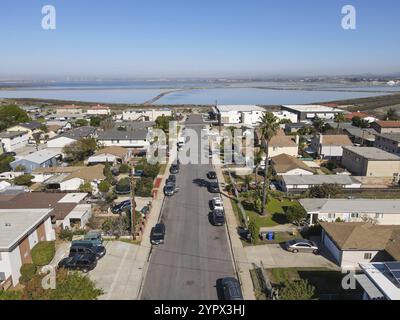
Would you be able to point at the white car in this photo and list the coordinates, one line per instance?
(217, 203)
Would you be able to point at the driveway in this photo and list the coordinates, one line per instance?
(119, 272)
(274, 256)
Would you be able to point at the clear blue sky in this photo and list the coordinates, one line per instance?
(207, 38)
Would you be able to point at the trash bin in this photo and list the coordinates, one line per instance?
(270, 236)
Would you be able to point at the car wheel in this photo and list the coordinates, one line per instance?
(295, 251)
(316, 251)
(85, 270)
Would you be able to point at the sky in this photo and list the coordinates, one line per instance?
(202, 38)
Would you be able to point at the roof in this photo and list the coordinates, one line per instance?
(336, 140)
(372, 153)
(366, 134)
(88, 173)
(373, 292)
(16, 223)
(11, 134)
(52, 170)
(72, 106)
(98, 107)
(360, 235)
(114, 150)
(388, 124)
(114, 134)
(283, 163)
(389, 136)
(54, 127)
(317, 180)
(282, 141)
(78, 133)
(351, 115)
(239, 108)
(391, 206)
(40, 156)
(30, 125)
(311, 108)
(79, 211)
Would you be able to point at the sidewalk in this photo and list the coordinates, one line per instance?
(241, 262)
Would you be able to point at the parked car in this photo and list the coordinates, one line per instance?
(231, 289)
(9, 153)
(212, 175)
(218, 217)
(145, 210)
(170, 189)
(82, 262)
(138, 173)
(157, 234)
(174, 169)
(213, 187)
(94, 242)
(301, 245)
(86, 247)
(217, 203)
(171, 178)
(94, 236)
(121, 207)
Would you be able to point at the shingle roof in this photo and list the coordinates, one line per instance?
(389, 124)
(88, 173)
(114, 150)
(336, 140)
(31, 125)
(114, 134)
(11, 134)
(282, 141)
(283, 163)
(78, 133)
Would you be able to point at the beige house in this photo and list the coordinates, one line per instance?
(30, 128)
(330, 146)
(282, 144)
(284, 164)
(371, 162)
(386, 126)
(352, 244)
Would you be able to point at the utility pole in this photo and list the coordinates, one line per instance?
(133, 209)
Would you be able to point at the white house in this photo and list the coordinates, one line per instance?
(30, 127)
(124, 138)
(78, 217)
(285, 115)
(145, 114)
(330, 146)
(13, 140)
(98, 110)
(309, 112)
(20, 231)
(239, 114)
(71, 136)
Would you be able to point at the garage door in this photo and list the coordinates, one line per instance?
(328, 244)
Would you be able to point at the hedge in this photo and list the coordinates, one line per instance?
(27, 270)
(43, 253)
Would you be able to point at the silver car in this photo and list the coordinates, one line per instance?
(301, 245)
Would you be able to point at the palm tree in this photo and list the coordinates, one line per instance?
(257, 162)
(269, 126)
(338, 119)
(247, 180)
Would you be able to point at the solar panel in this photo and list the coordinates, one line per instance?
(393, 266)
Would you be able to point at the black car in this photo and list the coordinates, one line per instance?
(212, 175)
(157, 234)
(85, 247)
(171, 178)
(121, 207)
(218, 217)
(170, 189)
(213, 187)
(82, 262)
(174, 169)
(231, 289)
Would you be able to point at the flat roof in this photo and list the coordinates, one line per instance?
(79, 211)
(16, 223)
(12, 134)
(73, 198)
(311, 108)
(390, 136)
(318, 179)
(239, 108)
(372, 153)
(40, 156)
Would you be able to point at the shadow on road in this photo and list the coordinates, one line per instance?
(201, 182)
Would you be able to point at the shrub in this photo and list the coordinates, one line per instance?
(24, 180)
(143, 187)
(27, 270)
(86, 187)
(65, 234)
(124, 168)
(104, 186)
(43, 253)
(297, 290)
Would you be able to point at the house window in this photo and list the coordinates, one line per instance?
(355, 215)
(331, 215)
(378, 215)
(367, 256)
(0, 257)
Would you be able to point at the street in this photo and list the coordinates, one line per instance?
(195, 254)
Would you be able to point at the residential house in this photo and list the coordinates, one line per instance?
(124, 138)
(355, 243)
(40, 175)
(330, 146)
(285, 115)
(284, 164)
(371, 162)
(378, 211)
(380, 280)
(13, 140)
(145, 114)
(361, 136)
(389, 142)
(112, 155)
(362, 115)
(71, 136)
(31, 128)
(309, 112)
(20, 231)
(282, 144)
(98, 110)
(239, 114)
(39, 159)
(70, 109)
(297, 184)
(294, 127)
(386, 126)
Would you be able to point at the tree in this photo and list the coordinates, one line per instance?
(254, 230)
(297, 290)
(319, 124)
(339, 118)
(104, 186)
(107, 173)
(86, 187)
(23, 180)
(81, 122)
(20, 168)
(81, 149)
(11, 115)
(268, 126)
(257, 161)
(143, 187)
(247, 180)
(296, 215)
(325, 191)
(162, 122)
(124, 168)
(391, 114)
(5, 161)
(95, 121)
(360, 123)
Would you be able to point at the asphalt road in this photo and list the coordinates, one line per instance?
(195, 254)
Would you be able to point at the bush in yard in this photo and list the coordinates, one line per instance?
(325, 191)
(65, 235)
(43, 253)
(297, 290)
(124, 168)
(27, 270)
(296, 215)
(104, 186)
(24, 180)
(86, 187)
(143, 187)
(254, 231)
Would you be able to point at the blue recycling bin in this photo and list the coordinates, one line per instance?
(270, 236)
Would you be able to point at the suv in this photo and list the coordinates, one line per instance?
(218, 217)
(174, 169)
(94, 236)
(170, 189)
(301, 245)
(157, 234)
(83, 262)
(231, 289)
(121, 207)
(213, 187)
(171, 178)
(217, 203)
(212, 175)
(87, 247)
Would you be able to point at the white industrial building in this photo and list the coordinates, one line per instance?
(145, 114)
(13, 140)
(239, 114)
(309, 112)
